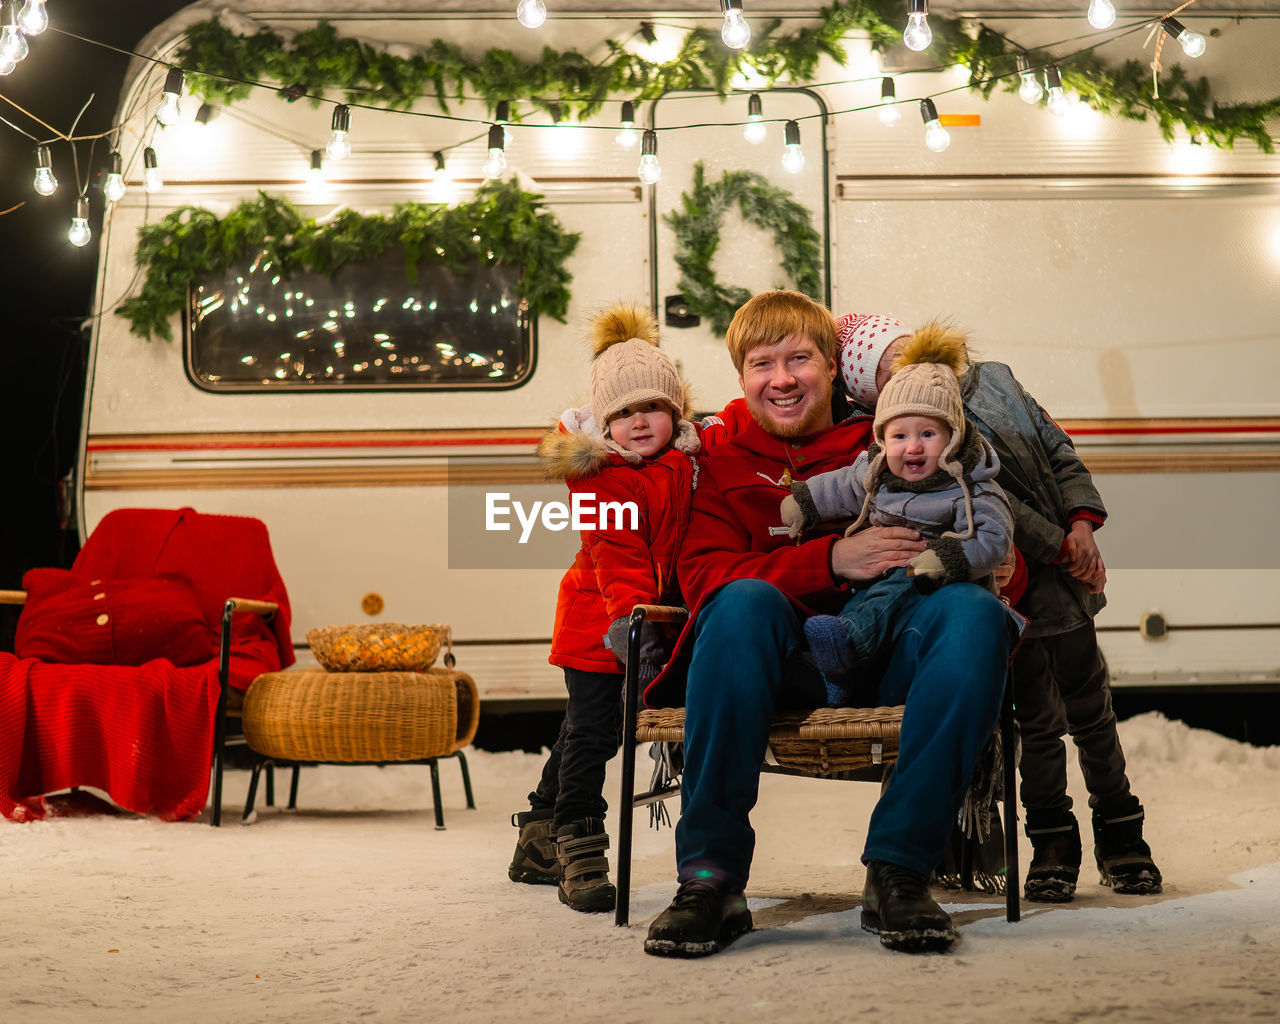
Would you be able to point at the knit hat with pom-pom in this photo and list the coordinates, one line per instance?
(629, 368)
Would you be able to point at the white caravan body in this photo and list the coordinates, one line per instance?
(1132, 284)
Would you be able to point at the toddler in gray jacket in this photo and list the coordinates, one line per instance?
(928, 469)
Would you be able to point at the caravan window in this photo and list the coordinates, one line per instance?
(366, 327)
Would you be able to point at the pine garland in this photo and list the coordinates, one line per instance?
(503, 224)
(320, 59)
(697, 231)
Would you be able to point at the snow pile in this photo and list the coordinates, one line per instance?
(354, 907)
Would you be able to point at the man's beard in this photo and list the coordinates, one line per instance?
(817, 420)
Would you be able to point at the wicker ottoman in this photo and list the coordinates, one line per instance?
(317, 717)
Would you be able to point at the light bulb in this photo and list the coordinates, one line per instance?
(936, 137)
(735, 33)
(7, 66)
(46, 184)
(167, 111)
(1193, 43)
(442, 168)
(1102, 13)
(33, 18)
(792, 154)
(649, 172)
(339, 144)
(917, 35)
(531, 13)
(13, 45)
(113, 188)
(151, 179)
(888, 113)
(1030, 89)
(79, 234)
(755, 129)
(1053, 83)
(315, 173)
(628, 137)
(497, 162)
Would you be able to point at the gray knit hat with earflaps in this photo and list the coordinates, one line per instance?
(925, 382)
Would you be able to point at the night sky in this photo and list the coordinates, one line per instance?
(48, 284)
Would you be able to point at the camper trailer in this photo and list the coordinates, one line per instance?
(1133, 283)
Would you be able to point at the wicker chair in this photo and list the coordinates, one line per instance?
(851, 744)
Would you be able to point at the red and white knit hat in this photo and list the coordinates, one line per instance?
(863, 337)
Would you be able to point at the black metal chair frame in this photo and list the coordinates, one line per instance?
(630, 800)
(266, 609)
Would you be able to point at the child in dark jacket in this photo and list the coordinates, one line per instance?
(1060, 678)
(643, 460)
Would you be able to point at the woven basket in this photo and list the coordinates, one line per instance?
(366, 717)
(825, 741)
(377, 647)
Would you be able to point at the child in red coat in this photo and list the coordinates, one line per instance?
(643, 460)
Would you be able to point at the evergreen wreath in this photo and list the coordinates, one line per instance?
(220, 65)
(502, 224)
(697, 231)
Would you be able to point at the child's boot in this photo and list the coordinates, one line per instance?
(1124, 858)
(1055, 856)
(584, 868)
(534, 861)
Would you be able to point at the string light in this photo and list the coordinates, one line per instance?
(1030, 89)
(502, 115)
(531, 13)
(649, 172)
(1193, 43)
(497, 162)
(628, 137)
(442, 168)
(45, 184)
(114, 188)
(13, 45)
(167, 111)
(1102, 13)
(339, 145)
(917, 35)
(7, 66)
(151, 179)
(1057, 98)
(79, 234)
(735, 33)
(792, 154)
(888, 113)
(205, 114)
(936, 137)
(33, 18)
(755, 130)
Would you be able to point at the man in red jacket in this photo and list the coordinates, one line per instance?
(749, 588)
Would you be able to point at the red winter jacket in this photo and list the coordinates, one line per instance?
(736, 531)
(616, 569)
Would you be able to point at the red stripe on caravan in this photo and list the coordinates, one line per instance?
(232, 445)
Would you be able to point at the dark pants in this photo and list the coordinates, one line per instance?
(572, 783)
(947, 664)
(1060, 686)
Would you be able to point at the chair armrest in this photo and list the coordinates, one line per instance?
(13, 597)
(244, 604)
(660, 613)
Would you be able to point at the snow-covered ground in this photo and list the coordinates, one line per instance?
(355, 908)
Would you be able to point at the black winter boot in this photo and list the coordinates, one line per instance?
(584, 869)
(1124, 859)
(1055, 856)
(896, 905)
(704, 917)
(534, 861)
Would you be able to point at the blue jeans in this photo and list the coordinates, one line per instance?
(947, 666)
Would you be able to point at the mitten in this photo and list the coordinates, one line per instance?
(928, 564)
(792, 516)
(654, 647)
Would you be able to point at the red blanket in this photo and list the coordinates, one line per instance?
(142, 734)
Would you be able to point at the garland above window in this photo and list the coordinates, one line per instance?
(697, 229)
(220, 62)
(503, 224)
